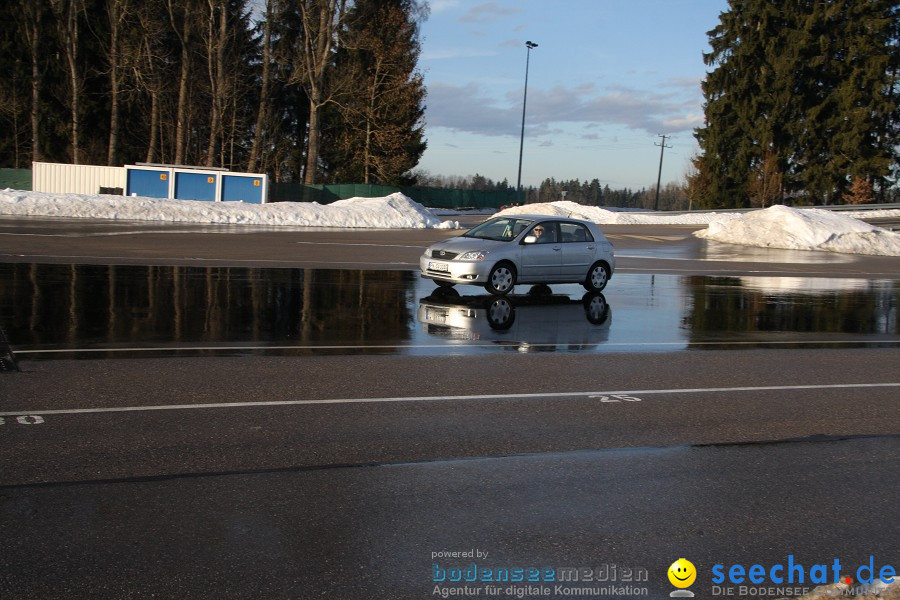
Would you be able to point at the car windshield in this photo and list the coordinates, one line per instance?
(502, 229)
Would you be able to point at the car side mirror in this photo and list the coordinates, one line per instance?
(529, 239)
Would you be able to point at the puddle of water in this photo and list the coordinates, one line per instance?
(47, 310)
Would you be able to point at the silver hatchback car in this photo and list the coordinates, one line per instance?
(504, 251)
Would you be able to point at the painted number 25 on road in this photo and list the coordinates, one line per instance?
(23, 420)
(617, 398)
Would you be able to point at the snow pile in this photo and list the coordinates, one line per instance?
(775, 227)
(806, 229)
(615, 216)
(396, 211)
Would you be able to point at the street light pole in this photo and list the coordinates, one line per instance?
(529, 44)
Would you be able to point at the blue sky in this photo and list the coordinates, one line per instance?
(607, 77)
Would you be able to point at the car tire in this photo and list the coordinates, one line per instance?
(595, 308)
(597, 277)
(501, 280)
(445, 294)
(501, 313)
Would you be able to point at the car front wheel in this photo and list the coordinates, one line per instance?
(500, 313)
(597, 277)
(501, 279)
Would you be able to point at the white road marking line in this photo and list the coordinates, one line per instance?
(725, 260)
(736, 272)
(630, 393)
(445, 346)
(209, 260)
(648, 238)
(104, 233)
(359, 244)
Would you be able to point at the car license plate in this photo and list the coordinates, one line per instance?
(438, 266)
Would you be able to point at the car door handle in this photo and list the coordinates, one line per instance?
(556, 248)
(590, 247)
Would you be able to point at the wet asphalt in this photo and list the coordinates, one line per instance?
(183, 426)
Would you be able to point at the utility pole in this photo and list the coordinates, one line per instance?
(662, 149)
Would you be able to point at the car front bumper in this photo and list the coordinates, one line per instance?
(452, 271)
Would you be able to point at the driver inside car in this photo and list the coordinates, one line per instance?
(543, 237)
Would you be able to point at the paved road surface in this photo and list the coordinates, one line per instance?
(639, 248)
(352, 476)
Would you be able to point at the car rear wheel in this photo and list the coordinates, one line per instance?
(501, 279)
(595, 308)
(597, 277)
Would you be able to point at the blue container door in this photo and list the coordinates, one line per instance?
(242, 189)
(144, 182)
(195, 186)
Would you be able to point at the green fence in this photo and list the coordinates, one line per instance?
(325, 194)
(17, 179)
(445, 198)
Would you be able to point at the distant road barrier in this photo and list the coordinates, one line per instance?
(835, 207)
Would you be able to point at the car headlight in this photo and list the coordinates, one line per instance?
(474, 255)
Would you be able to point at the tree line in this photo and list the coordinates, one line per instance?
(309, 91)
(672, 196)
(802, 104)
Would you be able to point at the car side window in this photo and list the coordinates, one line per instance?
(546, 233)
(520, 225)
(575, 232)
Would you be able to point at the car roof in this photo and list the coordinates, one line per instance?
(545, 218)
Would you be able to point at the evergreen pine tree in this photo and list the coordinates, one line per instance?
(802, 95)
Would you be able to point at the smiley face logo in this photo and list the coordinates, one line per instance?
(682, 573)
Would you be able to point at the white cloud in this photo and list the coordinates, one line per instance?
(488, 12)
(470, 108)
(687, 122)
(467, 108)
(451, 53)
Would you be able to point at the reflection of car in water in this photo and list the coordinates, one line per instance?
(539, 320)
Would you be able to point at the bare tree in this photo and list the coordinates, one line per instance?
(216, 40)
(262, 113)
(12, 105)
(146, 62)
(321, 21)
(117, 11)
(180, 17)
(860, 192)
(31, 16)
(68, 13)
(766, 185)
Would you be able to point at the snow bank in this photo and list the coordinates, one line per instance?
(396, 211)
(804, 229)
(613, 216)
(775, 227)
